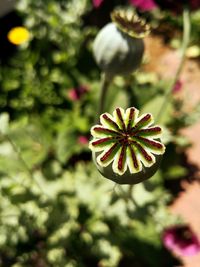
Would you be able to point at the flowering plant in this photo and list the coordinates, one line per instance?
(56, 210)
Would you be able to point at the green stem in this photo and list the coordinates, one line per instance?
(105, 82)
(124, 194)
(185, 42)
(128, 196)
(131, 197)
(26, 168)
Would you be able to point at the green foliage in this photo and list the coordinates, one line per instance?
(56, 209)
(71, 213)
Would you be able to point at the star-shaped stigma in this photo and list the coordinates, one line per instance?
(126, 140)
(127, 21)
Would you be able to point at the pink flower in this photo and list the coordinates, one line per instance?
(143, 5)
(97, 3)
(177, 87)
(181, 240)
(83, 140)
(76, 93)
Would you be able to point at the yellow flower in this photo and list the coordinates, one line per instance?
(18, 35)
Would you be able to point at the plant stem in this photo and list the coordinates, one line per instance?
(128, 195)
(131, 197)
(105, 82)
(26, 167)
(185, 42)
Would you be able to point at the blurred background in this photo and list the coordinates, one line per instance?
(56, 209)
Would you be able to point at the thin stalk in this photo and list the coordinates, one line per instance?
(26, 167)
(185, 42)
(124, 194)
(128, 196)
(105, 82)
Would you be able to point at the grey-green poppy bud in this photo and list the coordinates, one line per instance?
(118, 48)
(126, 148)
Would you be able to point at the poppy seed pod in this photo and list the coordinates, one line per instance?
(126, 148)
(118, 48)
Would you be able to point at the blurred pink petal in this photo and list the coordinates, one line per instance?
(72, 95)
(181, 241)
(76, 93)
(144, 5)
(83, 140)
(177, 87)
(97, 3)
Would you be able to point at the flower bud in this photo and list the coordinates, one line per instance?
(118, 48)
(126, 147)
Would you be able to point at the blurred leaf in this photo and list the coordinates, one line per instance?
(176, 172)
(154, 106)
(66, 145)
(167, 136)
(4, 123)
(117, 97)
(22, 197)
(32, 142)
(9, 162)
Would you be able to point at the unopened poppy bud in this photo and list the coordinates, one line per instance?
(126, 147)
(118, 47)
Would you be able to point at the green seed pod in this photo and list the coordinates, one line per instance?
(118, 48)
(126, 148)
